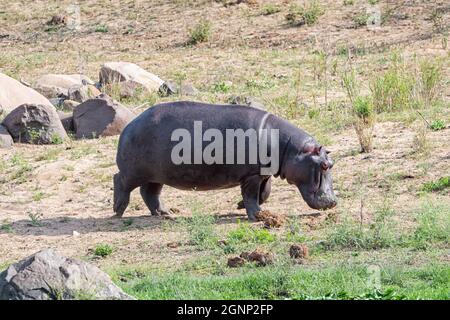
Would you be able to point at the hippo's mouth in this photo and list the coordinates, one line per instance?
(320, 195)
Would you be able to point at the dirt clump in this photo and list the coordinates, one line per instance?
(299, 251)
(261, 258)
(235, 262)
(271, 220)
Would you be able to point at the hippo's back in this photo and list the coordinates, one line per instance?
(145, 145)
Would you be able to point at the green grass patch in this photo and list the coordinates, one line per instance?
(103, 250)
(284, 282)
(438, 185)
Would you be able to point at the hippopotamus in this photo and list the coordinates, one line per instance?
(153, 151)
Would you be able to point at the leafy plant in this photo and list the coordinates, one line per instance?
(200, 33)
(437, 125)
(364, 122)
(270, 8)
(103, 250)
(438, 185)
(308, 13)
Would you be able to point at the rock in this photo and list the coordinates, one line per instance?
(130, 76)
(75, 233)
(36, 124)
(69, 104)
(299, 251)
(6, 140)
(235, 262)
(14, 94)
(67, 121)
(247, 101)
(81, 93)
(46, 275)
(58, 85)
(270, 219)
(57, 20)
(101, 116)
(169, 88)
(57, 102)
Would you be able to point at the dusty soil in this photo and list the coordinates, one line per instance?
(77, 197)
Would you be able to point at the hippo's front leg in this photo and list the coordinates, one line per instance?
(250, 189)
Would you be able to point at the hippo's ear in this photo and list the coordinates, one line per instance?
(312, 149)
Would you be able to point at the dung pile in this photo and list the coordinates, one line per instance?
(270, 219)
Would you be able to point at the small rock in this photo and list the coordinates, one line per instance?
(246, 101)
(69, 104)
(75, 233)
(57, 20)
(298, 251)
(169, 88)
(82, 93)
(6, 141)
(173, 245)
(57, 102)
(235, 262)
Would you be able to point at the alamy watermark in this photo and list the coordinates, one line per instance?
(234, 146)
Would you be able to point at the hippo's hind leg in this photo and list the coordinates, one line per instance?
(264, 193)
(121, 195)
(150, 193)
(250, 189)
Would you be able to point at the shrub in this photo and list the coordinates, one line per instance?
(360, 19)
(269, 9)
(200, 33)
(364, 122)
(437, 125)
(430, 80)
(103, 250)
(393, 90)
(308, 14)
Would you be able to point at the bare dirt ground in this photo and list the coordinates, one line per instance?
(77, 197)
(61, 196)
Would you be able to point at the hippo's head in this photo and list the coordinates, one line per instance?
(310, 171)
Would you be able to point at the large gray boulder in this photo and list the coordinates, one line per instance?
(100, 117)
(129, 77)
(46, 275)
(6, 140)
(58, 85)
(37, 124)
(13, 94)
